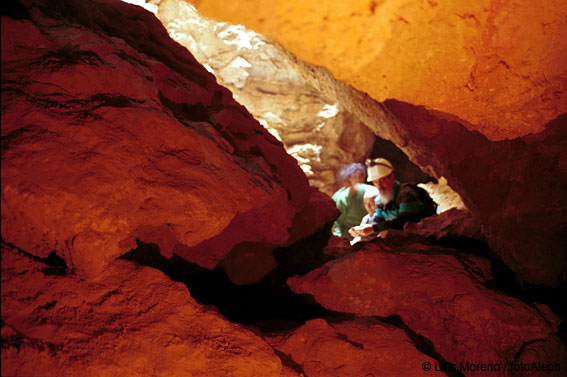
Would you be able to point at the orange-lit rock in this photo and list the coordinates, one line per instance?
(112, 131)
(438, 294)
(352, 349)
(131, 321)
(500, 66)
(248, 262)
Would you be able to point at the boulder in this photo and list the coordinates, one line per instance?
(111, 131)
(453, 224)
(439, 294)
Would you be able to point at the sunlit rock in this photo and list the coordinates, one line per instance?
(443, 195)
(115, 133)
(133, 321)
(438, 294)
(500, 66)
(314, 128)
(352, 349)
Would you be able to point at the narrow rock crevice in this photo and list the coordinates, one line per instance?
(55, 265)
(268, 304)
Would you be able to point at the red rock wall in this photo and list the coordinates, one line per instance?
(517, 188)
(111, 131)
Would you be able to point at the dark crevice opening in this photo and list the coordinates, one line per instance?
(55, 264)
(268, 305)
(506, 281)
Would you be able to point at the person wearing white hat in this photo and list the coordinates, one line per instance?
(396, 203)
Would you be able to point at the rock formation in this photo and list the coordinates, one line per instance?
(315, 130)
(352, 349)
(440, 295)
(133, 321)
(499, 66)
(109, 140)
(114, 137)
(471, 92)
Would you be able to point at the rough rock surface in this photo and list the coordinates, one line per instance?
(453, 224)
(111, 131)
(438, 294)
(352, 349)
(315, 130)
(498, 65)
(248, 262)
(131, 321)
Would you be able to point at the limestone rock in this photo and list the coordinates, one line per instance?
(443, 195)
(131, 321)
(314, 128)
(352, 349)
(111, 131)
(436, 294)
(499, 66)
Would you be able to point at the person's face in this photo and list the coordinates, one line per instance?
(370, 205)
(356, 177)
(385, 186)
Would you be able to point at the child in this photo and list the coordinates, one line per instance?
(369, 201)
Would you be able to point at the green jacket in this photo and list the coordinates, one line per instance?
(351, 207)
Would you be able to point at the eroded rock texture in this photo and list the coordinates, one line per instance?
(316, 130)
(111, 131)
(439, 294)
(498, 65)
(133, 321)
(352, 349)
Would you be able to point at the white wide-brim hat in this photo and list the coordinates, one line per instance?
(379, 168)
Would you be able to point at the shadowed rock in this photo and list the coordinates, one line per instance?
(437, 293)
